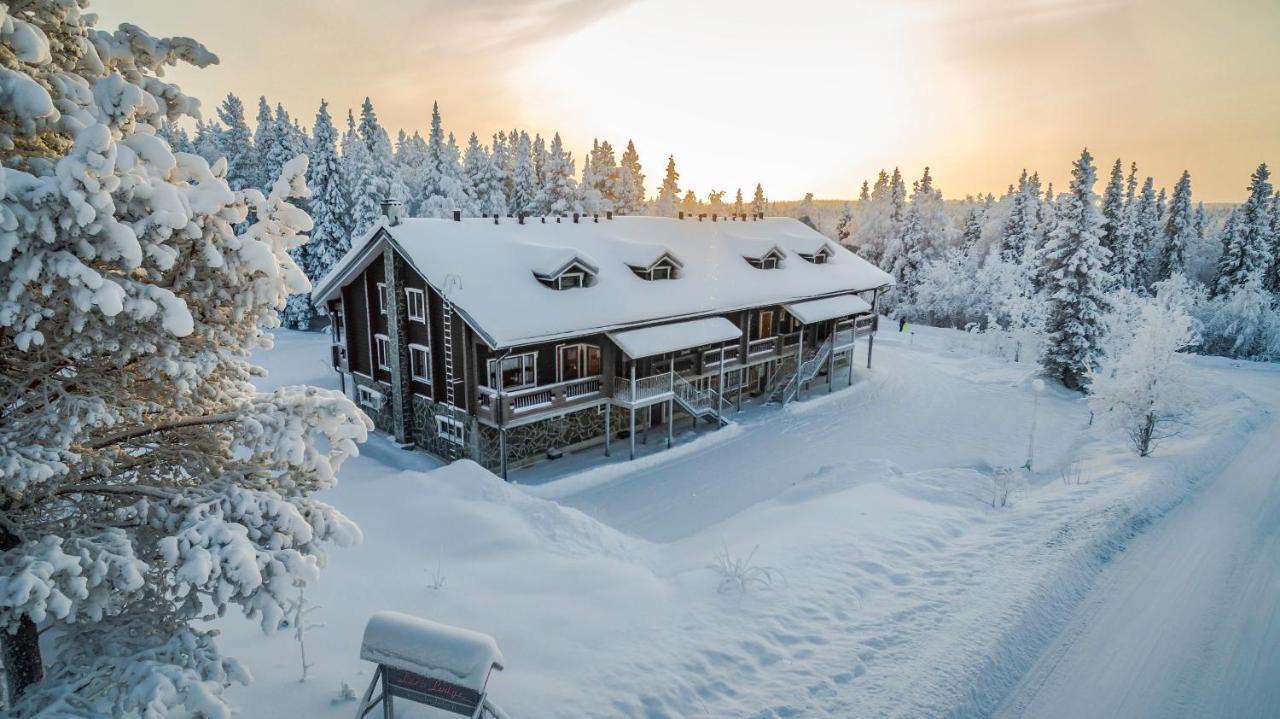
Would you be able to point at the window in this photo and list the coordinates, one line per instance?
(416, 302)
(449, 429)
(818, 259)
(382, 349)
(770, 261)
(382, 298)
(570, 280)
(662, 271)
(368, 397)
(420, 363)
(577, 361)
(518, 371)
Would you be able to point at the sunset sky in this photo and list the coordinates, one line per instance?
(801, 96)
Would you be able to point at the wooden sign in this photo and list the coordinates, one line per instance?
(432, 692)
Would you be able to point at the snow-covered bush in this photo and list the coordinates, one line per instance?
(1243, 323)
(144, 484)
(1142, 385)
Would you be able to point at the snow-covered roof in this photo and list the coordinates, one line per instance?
(456, 655)
(501, 297)
(827, 308)
(650, 341)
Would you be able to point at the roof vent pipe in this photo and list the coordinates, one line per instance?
(575, 218)
(495, 218)
(557, 219)
(608, 215)
(713, 216)
(457, 215)
(682, 215)
(521, 218)
(595, 217)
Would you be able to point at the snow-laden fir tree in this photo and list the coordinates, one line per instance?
(1179, 231)
(146, 487)
(668, 198)
(910, 258)
(1075, 281)
(758, 200)
(524, 178)
(1147, 233)
(235, 143)
(330, 236)
(266, 146)
(207, 140)
(1246, 243)
(364, 184)
(1143, 385)
(739, 205)
(1242, 321)
(1273, 279)
(1018, 236)
(558, 194)
(483, 179)
(176, 135)
(844, 226)
(1113, 215)
(632, 200)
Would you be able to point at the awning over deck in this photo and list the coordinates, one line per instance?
(662, 339)
(827, 308)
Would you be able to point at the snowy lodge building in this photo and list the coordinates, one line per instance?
(506, 339)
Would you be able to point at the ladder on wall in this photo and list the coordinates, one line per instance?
(452, 450)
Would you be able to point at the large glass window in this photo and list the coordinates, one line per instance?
(382, 298)
(577, 361)
(416, 304)
(420, 363)
(339, 324)
(518, 371)
(382, 349)
(764, 325)
(570, 280)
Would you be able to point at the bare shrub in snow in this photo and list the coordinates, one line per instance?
(1142, 385)
(436, 579)
(1071, 474)
(299, 610)
(739, 573)
(1003, 482)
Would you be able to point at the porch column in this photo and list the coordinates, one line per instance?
(741, 376)
(397, 336)
(720, 392)
(875, 322)
(608, 431)
(631, 436)
(671, 403)
(799, 363)
(831, 360)
(853, 344)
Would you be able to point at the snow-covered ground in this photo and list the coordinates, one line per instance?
(897, 589)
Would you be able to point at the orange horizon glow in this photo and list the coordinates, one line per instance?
(801, 97)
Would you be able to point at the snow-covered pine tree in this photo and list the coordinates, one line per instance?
(483, 180)
(147, 488)
(365, 191)
(1273, 280)
(758, 200)
(235, 143)
(266, 146)
(1179, 231)
(589, 195)
(844, 226)
(1075, 278)
(1113, 216)
(740, 206)
(207, 140)
(174, 134)
(910, 258)
(330, 236)
(972, 233)
(668, 198)
(1147, 232)
(1016, 241)
(559, 192)
(690, 204)
(1246, 244)
(524, 178)
(1142, 384)
(633, 194)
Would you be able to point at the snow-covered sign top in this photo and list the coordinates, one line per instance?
(661, 339)
(827, 308)
(456, 655)
(499, 266)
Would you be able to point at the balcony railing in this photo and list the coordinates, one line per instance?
(516, 404)
(646, 388)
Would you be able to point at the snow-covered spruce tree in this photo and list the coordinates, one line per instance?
(757, 200)
(235, 143)
(1016, 240)
(484, 179)
(664, 205)
(559, 192)
(524, 178)
(1242, 322)
(844, 226)
(1075, 281)
(266, 146)
(1142, 385)
(632, 200)
(1179, 231)
(144, 485)
(1126, 263)
(1252, 254)
(1113, 215)
(330, 236)
(1146, 233)
(363, 182)
(909, 260)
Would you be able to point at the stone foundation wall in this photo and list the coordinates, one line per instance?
(531, 441)
(382, 418)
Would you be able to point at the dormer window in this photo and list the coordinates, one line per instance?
(575, 275)
(770, 260)
(821, 257)
(665, 268)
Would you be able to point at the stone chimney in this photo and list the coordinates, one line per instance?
(393, 210)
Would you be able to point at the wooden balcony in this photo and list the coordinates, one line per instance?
(647, 390)
(520, 405)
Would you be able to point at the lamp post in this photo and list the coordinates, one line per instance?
(1037, 387)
